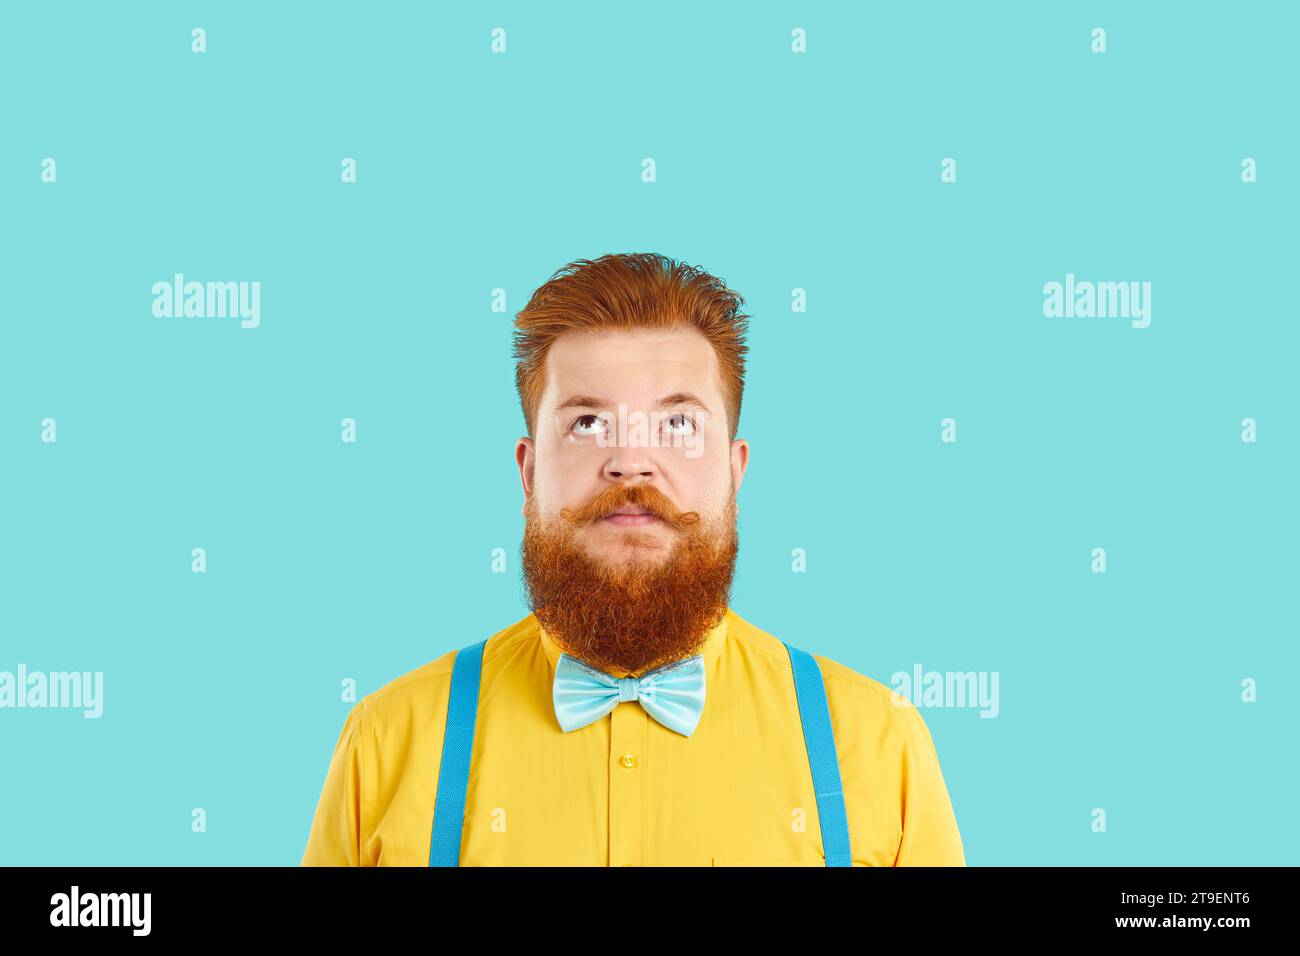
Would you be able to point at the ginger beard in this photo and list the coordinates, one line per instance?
(643, 609)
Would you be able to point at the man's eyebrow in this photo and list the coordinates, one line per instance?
(590, 401)
(681, 398)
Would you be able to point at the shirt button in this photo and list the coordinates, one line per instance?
(629, 760)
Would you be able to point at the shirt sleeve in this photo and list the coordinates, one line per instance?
(337, 828)
(929, 827)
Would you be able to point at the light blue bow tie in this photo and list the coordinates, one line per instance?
(672, 694)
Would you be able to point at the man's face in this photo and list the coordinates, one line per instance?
(624, 408)
(630, 497)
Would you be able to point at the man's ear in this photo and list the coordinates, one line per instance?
(525, 459)
(739, 462)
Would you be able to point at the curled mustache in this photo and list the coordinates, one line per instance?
(640, 495)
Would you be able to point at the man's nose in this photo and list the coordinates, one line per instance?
(627, 464)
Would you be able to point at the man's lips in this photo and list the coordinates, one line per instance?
(630, 517)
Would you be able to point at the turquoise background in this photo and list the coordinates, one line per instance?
(775, 171)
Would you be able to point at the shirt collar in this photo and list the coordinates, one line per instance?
(713, 643)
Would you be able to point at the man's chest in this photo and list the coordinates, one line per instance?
(624, 791)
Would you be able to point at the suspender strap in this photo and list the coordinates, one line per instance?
(457, 746)
(815, 714)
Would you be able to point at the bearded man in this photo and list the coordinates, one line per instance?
(633, 718)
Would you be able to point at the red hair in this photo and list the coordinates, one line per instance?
(624, 292)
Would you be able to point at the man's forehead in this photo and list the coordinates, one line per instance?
(647, 364)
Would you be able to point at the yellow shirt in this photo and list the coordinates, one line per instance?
(626, 790)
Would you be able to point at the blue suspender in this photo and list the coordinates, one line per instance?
(458, 746)
(815, 714)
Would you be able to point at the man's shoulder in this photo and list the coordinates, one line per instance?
(848, 691)
(427, 686)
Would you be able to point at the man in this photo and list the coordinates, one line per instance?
(634, 718)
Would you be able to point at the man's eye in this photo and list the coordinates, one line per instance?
(680, 425)
(588, 425)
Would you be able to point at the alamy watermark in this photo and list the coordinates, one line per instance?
(1102, 300)
(74, 690)
(641, 429)
(76, 908)
(208, 300)
(922, 688)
